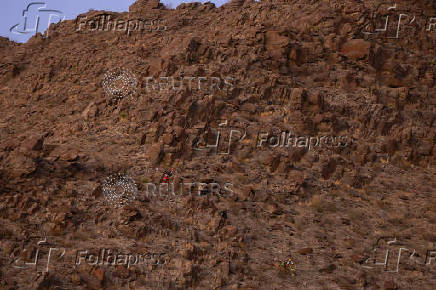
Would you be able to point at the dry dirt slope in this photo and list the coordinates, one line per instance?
(304, 67)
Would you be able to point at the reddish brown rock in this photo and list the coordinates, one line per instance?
(20, 164)
(390, 285)
(356, 48)
(305, 251)
(155, 153)
(99, 274)
(275, 43)
(33, 143)
(275, 67)
(90, 112)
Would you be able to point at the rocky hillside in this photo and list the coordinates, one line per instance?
(299, 136)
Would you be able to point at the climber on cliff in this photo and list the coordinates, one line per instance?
(166, 175)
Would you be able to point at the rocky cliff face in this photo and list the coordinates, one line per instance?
(326, 151)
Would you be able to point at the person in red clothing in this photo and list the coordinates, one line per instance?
(167, 174)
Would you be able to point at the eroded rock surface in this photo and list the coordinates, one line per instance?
(267, 69)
